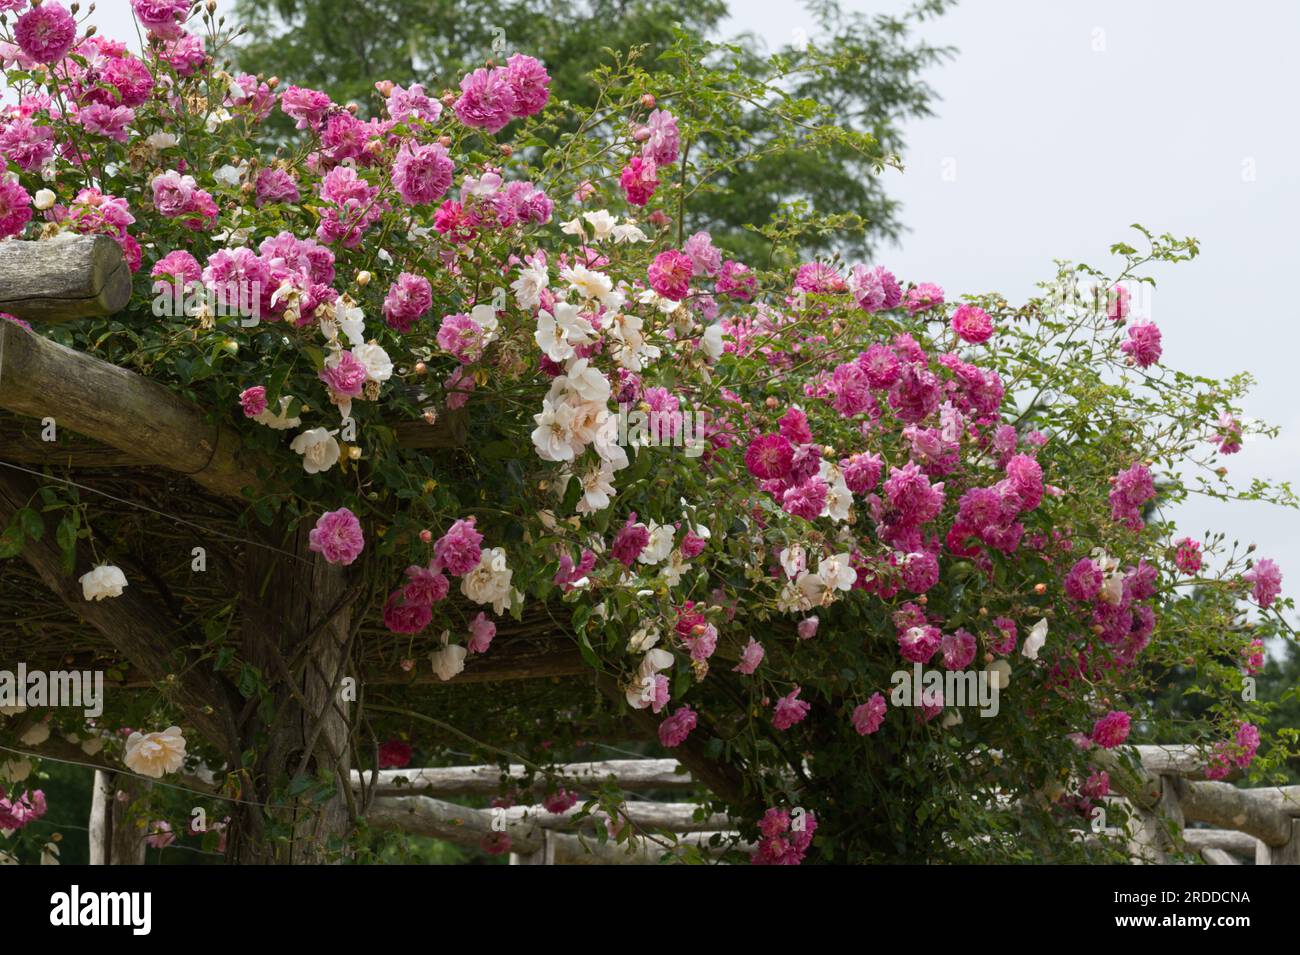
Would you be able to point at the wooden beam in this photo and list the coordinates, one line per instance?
(1226, 807)
(632, 774)
(508, 660)
(43, 379)
(1219, 857)
(67, 277)
(443, 820)
(1176, 759)
(449, 430)
(1223, 840)
(20, 443)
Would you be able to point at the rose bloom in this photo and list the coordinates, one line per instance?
(394, 754)
(337, 537)
(155, 754)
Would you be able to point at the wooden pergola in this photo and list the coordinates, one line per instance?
(304, 630)
(300, 619)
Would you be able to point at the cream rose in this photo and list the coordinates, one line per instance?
(155, 754)
(104, 581)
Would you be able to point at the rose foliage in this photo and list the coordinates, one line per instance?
(750, 492)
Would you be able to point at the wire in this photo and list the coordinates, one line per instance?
(145, 507)
(156, 782)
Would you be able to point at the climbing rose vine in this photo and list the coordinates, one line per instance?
(750, 492)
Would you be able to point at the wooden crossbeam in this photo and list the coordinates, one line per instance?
(67, 277)
(1253, 811)
(528, 828)
(632, 775)
(508, 660)
(43, 379)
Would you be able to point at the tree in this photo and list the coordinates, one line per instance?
(867, 70)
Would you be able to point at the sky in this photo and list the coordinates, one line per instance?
(1061, 123)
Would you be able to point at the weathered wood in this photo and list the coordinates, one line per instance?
(1176, 759)
(1151, 838)
(296, 628)
(1289, 852)
(100, 830)
(632, 775)
(1218, 857)
(646, 816)
(506, 660)
(1227, 807)
(43, 379)
(67, 277)
(449, 430)
(1224, 840)
(20, 443)
(422, 815)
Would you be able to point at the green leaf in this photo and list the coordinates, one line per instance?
(11, 542)
(66, 537)
(31, 523)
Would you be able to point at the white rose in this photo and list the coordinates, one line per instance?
(794, 561)
(104, 581)
(449, 661)
(1034, 642)
(602, 223)
(628, 233)
(15, 770)
(44, 199)
(838, 572)
(489, 582)
(36, 734)
(643, 639)
(813, 587)
(711, 341)
(660, 544)
(319, 450)
(485, 317)
(155, 754)
(379, 367)
(656, 659)
(229, 175)
(278, 421)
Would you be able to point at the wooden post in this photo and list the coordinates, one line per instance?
(1289, 853)
(101, 819)
(67, 277)
(297, 630)
(127, 846)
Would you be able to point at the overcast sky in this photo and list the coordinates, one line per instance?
(1061, 123)
(1065, 122)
